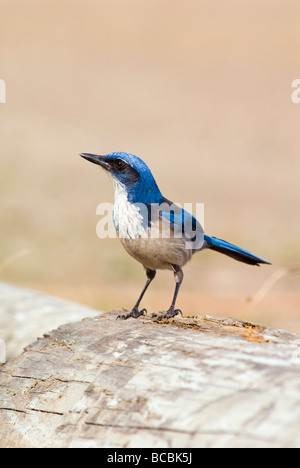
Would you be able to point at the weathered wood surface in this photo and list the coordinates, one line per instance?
(200, 382)
(26, 314)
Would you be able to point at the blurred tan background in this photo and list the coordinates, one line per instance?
(201, 90)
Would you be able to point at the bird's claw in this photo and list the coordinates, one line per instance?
(169, 314)
(135, 313)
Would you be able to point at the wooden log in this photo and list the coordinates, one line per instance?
(189, 382)
(26, 314)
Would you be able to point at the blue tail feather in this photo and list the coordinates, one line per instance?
(233, 251)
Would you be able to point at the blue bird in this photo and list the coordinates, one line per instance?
(153, 230)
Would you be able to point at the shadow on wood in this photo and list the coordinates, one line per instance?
(191, 382)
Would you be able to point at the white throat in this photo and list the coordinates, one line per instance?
(128, 220)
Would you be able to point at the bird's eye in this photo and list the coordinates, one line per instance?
(119, 165)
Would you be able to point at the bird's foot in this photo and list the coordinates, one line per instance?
(169, 314)
(135, 313)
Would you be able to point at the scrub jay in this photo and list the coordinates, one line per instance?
(156, 232)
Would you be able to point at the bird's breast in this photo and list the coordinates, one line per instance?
(129, 219)
(150, 241)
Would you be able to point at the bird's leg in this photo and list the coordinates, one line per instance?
(172, 312)
(135, 313)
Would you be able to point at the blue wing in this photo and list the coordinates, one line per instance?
(183, 224)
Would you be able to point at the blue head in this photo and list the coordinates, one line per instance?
(132, 173)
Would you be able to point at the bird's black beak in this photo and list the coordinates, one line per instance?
(96, 159)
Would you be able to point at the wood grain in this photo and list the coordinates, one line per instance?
(190, 382)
